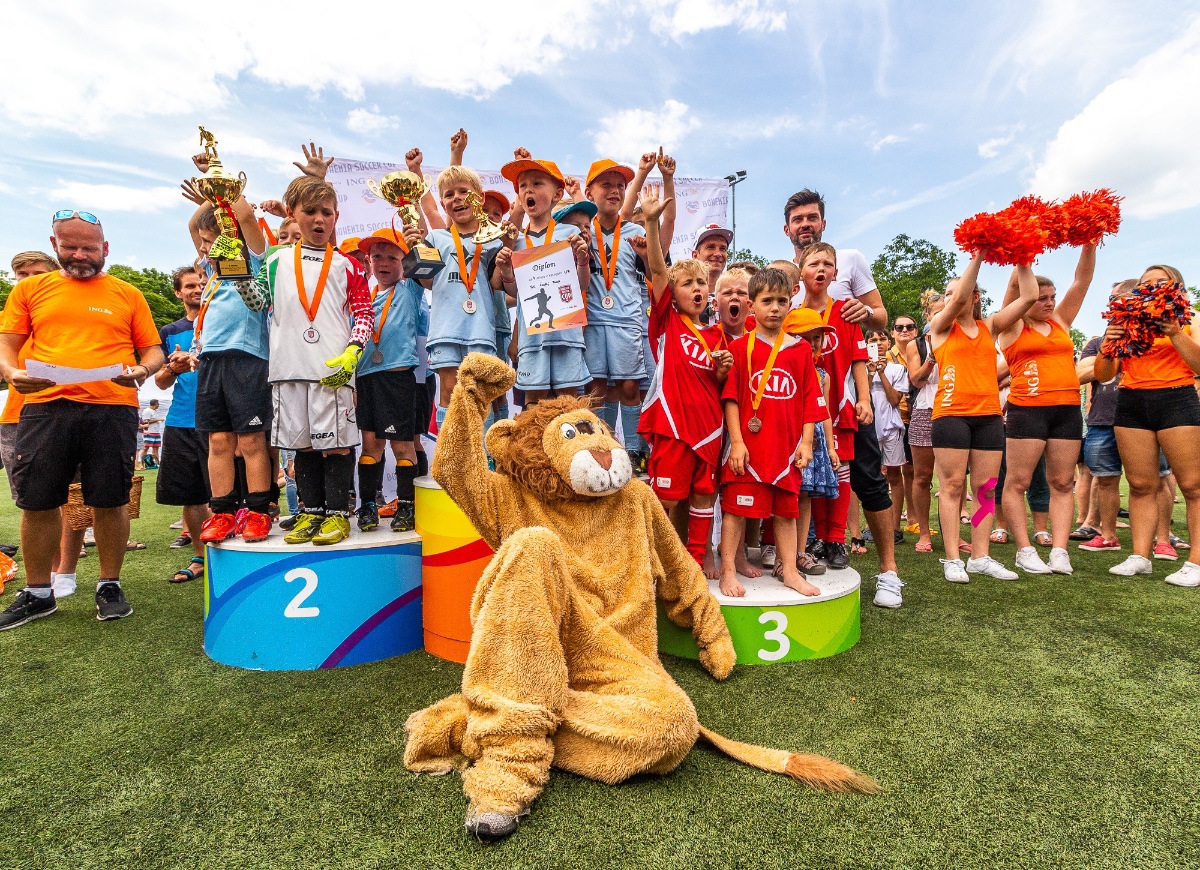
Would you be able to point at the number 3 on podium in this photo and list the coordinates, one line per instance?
(309, 576)
(776, 634)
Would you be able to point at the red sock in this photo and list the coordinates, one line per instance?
(700, 523)
(766, 533)
(820, 518)
(839, 512)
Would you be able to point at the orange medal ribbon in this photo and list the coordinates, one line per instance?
(608, 264)
(382, 319)
(756, 400)
(547, 239)
(699, 337)
(462, 261)
(311, 310)
(210, 290)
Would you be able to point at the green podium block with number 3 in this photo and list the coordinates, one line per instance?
(774, 624)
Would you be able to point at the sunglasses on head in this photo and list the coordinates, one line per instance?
(66, 214)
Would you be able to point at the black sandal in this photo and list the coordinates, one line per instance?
(183, 575)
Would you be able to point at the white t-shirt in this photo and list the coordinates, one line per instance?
(156, 414)
(887, 417)
(853, 277)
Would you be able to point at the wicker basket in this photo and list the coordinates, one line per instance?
(80, 515)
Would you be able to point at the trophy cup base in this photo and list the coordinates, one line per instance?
(232, 269)
(422, 262)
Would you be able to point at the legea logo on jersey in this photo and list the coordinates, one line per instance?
(694, 352)
(780, 385)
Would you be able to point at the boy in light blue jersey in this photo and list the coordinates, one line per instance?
(462, 318)
(547, 363)
(387, 398)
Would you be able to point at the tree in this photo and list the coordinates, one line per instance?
(745, 254)
(908, 267)
(1079, 339)
(156, 287)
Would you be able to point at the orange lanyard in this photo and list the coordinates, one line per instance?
(608, 264)
(828, 311)
(724, 342)
(462, 261)
(547, 239)
(762, 384)
(311, 310)
(698, 334)
(382, 319)
(210, 290)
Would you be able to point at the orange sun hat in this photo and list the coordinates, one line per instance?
(801, 320)
(602, 166)
(383, 234)
(513, 169)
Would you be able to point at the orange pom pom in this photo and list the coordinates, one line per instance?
(1091, 216)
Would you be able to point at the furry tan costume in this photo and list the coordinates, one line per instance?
(563, 667)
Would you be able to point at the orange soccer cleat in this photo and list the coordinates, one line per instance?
(217, 528)
(256, 528)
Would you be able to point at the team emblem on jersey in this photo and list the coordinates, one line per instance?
(831, 343)
(694, 352)
(780, 385)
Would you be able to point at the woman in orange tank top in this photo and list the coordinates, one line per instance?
(1045, 415)
(1157, 409)
(967, 428)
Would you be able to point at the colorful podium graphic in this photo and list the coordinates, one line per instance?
(453, 557)
(270, 606)
(774, 624)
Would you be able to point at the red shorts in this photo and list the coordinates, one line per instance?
(759, 501)
(676, 470)
(845, 443)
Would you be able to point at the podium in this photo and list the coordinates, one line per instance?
(273, 606)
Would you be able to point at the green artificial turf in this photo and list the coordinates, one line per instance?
(1049, 722)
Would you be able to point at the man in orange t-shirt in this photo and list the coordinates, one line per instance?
(77, 317)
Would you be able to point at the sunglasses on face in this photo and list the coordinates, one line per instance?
(905, 327)
(66, 214)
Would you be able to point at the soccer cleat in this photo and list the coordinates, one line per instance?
(887, 590)
(1060, 562)
(27, 608)
(835, 555)
(1099, 545)
(1188, 575)
(217, 528)
(256, 527)
(1134, 564)
(817, 549)
(334, 530)
(111, 603)
(405, 519)
(368, 517)
(1030, 562)
(954, 571)
(768, 555)
(1165, 551)
(240, 519)
(304, 529)
(989, 567)
(286, 523)
(389, 509)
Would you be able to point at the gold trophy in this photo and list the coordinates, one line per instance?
(222, 189)
(404, 190)
(488, 230)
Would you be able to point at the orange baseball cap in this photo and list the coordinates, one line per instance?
(601, 166)
(383, 234)
(505, 205)
(513, 169)
(349, 244)
(802, 320)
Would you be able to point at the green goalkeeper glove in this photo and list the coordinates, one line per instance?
(345, 364)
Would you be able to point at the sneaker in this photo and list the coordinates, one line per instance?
(184, 540)
(63, 586)
(1134, 564)
(368, 517)
(836, 556)
(26, 608)
(768, 555)
(1030, 562)
(1060, 562)
(1165, 551)
(898, 537)
(178, 524)
(1099, 545)
(217, 528)
(111, 603)
(1083, 533)
(89, 537)
(868, 537)
(954, 571)
(817, 549)
(1188, 575)
(989, 567)
(405, 519)
(304, 529)
(807, 564)
(240, 519)
(286, 523)
(887, 590)
(256, 527)
(334, 530)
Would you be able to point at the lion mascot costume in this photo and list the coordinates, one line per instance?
(563, 668)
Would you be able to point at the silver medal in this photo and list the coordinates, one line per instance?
(311, 335)
(469, 305)
(607, 302)
(377, 356)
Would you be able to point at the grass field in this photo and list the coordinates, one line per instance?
(1049, 722)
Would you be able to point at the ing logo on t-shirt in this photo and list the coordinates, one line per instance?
(780, 385)
(695, 352)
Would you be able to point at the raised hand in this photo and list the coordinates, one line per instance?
(458, 143)
(647, 163)
(652, 206)
(412, 159)
(201, 161)
(571, 185)
(274, 207)
(314, 163)
(190, 193)
(666, 164)
(580, 246)
(521, 153)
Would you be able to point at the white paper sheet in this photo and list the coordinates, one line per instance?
(67, 375)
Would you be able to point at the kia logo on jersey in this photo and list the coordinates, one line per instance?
(831, 343)
(780, 385)
(694, 352)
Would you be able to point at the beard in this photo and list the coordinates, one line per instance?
(800, 243)
(85, 269)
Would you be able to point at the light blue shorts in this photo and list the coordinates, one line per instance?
(614, 352)
(557, 367)
(449, 355)
(648, 358)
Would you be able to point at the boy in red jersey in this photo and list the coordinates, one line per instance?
(772, 403)
(682, 417)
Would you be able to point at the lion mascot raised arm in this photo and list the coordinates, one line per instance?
(563, 668)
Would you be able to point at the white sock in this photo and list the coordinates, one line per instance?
(39, 591)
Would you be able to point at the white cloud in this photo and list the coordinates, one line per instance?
(1137, 136)
(992, 148)
(369, 122)
(629, 133)
(688, 17)
(884, 141)
(114, 197)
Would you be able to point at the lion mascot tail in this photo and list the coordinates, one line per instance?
(815, 770)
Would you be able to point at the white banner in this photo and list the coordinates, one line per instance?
(699, 201)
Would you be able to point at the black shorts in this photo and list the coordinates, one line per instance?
(969, 433)
(386, 404)
(232, 393)
(1045, 422)
(183, 469)
(866, 472)
(54, 439)
(423, 408)
(1156, 410)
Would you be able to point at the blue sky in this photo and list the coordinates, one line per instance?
(908, 117)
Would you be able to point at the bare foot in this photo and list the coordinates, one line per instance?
(742, 565)
(710, 566)
(731, 585)
(795, 580)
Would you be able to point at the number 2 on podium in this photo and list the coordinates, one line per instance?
(309, 576)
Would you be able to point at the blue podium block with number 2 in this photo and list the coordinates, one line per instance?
(270, 606)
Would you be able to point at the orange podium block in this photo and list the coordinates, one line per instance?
(453, 557)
